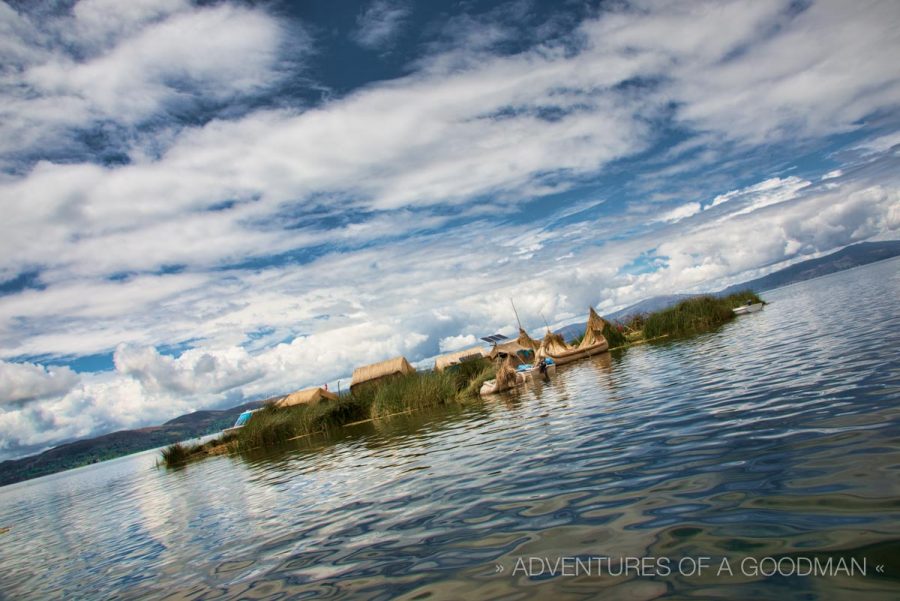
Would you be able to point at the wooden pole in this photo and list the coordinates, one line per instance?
(516, 312)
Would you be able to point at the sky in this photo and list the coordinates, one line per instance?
(209, 203)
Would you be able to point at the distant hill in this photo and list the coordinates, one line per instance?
(846, 258)
(117, 444)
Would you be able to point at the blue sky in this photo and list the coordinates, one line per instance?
(215, 202)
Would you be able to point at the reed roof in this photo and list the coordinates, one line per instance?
(308, 395)
(445, 361)
(367, 373)
(527, 341)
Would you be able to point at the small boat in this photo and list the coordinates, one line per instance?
(554, 348)
(510, 374)
(750, 307)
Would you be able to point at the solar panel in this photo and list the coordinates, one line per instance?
(494, 338)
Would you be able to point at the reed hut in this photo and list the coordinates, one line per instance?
(523, 348)
(308, 396)
(378, 371)
(451, 359)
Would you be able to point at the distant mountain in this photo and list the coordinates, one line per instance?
(846, 258)
(117, 444)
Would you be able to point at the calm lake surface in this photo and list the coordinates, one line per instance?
(776, 436)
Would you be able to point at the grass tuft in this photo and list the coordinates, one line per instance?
(176, 454)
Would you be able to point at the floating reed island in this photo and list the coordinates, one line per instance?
(394, 387)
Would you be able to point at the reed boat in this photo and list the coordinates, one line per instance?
(554, 347)
(750, 307)
(576, 353)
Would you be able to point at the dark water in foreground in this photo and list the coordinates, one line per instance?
(778, 435)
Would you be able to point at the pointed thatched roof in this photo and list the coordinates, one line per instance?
(593, 332)
(369, 373)
(309, 396)
(523, 342)
(467, 354)
(527, 341)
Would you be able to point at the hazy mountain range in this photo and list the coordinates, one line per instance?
(199, 423)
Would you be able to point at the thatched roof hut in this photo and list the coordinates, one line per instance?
(377, 371)
(309, 396)
(593, 332)
(451, 359)
(523, 347)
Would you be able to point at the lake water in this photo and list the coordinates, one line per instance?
(776, 436)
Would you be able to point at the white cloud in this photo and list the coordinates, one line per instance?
(20, 382)
(769, 192)
(100, 66)
(194, 371)
(879, 144)
(455, 343)
(380, 23)
(224, 51)
(833, 174)
(681, 212)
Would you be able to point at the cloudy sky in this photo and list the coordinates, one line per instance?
(210, 203)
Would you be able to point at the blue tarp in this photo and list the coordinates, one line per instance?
(243, 418)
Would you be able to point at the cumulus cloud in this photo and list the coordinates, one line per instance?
(455, 343)
(118, 68)
(194, 371)
(22, 382)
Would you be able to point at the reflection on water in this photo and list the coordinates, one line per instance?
(774, 436)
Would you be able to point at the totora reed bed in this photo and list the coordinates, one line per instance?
(404, 393)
